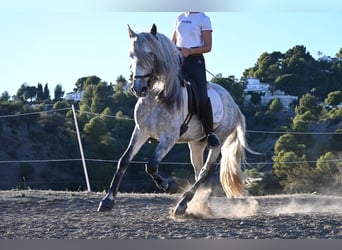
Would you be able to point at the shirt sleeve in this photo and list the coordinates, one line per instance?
(206, 23)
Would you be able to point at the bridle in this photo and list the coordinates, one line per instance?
(143, 76)
(151, 75)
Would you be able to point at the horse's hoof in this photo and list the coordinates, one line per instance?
(105, 205)
(180, 208)
(171, 186)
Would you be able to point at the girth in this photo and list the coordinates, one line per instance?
(193, 104)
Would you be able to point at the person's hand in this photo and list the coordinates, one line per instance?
(185, 51)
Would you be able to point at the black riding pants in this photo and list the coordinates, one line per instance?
(194, 68)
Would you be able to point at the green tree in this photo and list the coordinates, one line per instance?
(87, 98)
(61, 104)
(286, 143)
(300, 179)
(46, 92)
(276, 105)
(102, 95)
(295, 60)
(84, 82)
(40, 95)
(20, 92)
(121, 84)
(269, 67)
(4, 97)
(95, 129)
(289, 160)
(59, 93)
(298, 62)
(334, 98)
(30, 92)
(301, 122)
(339, 53)
(288, 83)
(310, 103)
(326, 165)
(108, 117)
(284, 162)
(123, 126)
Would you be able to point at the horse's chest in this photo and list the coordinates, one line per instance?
(155, 118)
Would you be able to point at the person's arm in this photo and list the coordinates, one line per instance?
(174, 37)
(207, 40)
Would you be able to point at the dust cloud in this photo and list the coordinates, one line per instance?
(205, 206)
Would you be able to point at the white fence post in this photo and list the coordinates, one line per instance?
(81, 149)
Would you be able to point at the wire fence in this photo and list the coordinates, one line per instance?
(169, 163)
(36, 161)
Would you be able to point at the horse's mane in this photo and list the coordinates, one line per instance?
(167, 66)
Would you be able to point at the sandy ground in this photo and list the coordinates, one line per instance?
(33, 214)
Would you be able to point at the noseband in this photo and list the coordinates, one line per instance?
(143, 76)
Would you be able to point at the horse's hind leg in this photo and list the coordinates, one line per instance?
(182, 205)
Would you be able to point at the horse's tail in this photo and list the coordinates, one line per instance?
(233, 155)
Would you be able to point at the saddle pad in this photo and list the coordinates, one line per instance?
(216, 104)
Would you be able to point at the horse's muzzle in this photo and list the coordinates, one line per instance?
(139, 88)
(141, 93)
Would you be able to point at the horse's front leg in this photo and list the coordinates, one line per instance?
(137, 140)
(164, 146)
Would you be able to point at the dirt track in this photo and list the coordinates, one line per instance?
(36, 214)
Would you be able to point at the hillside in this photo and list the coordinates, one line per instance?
(44, 157)
(29, 153)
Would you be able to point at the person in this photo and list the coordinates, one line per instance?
(193, 36)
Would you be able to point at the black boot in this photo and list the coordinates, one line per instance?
(206, 117)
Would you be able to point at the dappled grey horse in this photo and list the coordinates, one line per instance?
(160, 112)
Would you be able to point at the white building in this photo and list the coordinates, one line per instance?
(329, 59)
(285, 100)
(74, 96)
(254, 85)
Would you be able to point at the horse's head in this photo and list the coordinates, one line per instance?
(156, 66)
(144, 62)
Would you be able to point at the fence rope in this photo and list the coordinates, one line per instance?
(162, 163)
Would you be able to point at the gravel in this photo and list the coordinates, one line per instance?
(39, 214)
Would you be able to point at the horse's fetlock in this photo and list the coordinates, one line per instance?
(151, 170)
(189, 194)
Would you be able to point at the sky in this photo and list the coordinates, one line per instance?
(57, 44)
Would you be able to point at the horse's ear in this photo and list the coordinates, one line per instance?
(131, 32)
(154, 30)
